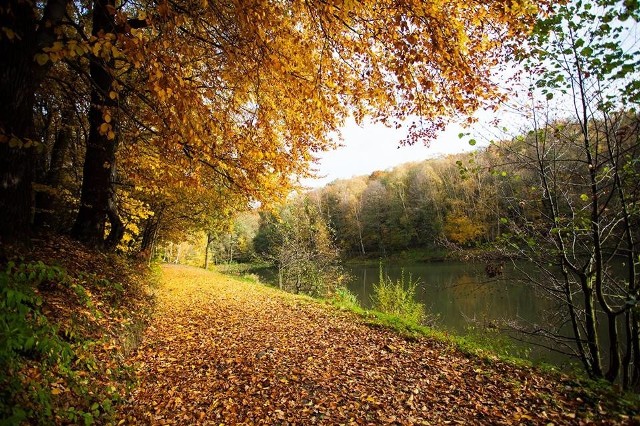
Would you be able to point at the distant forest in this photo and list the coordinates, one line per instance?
(453, 202)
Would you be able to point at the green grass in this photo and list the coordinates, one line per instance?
(346, 300)
(397, 297)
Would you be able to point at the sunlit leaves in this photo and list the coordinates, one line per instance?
(594, 38)
(244, 94)
(257, 97)
(251, 355)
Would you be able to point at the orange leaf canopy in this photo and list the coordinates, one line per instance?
(250, 90)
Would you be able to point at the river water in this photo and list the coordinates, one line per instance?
(463, 299)
(458, 293)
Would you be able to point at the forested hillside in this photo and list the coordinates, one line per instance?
(459, 201)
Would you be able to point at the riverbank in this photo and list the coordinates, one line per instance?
(428, 255)
(459, 299)
(223, 350)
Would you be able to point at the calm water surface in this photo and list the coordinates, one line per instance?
(461, 295)
(459, 292)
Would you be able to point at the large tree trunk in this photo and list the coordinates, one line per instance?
(206, 250)
(46, 199)
(20, 77)
(97, 199)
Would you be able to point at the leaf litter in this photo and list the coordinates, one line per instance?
(220, 351)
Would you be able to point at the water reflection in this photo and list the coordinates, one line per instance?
(458, 292)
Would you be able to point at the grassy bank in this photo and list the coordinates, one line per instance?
(487, 346)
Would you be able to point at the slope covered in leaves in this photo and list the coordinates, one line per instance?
(224, 351)
(68, 318)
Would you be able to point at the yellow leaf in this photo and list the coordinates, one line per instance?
(104, 128)
(15, 143)
(111, 135)
(107, 117)
(57, 46)
(56, 391)
(41, 58)
(9, 33)
(113, 95)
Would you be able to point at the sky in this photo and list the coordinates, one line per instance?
(372, 147)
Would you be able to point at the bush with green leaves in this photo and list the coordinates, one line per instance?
(398, 297)
(345, 299)
(26, 335)
(46, 373)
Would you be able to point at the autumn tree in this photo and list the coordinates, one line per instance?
(462, 230)
(425, 207)
(298, 241)
(25, 30)
(97, 199)
(235, 243)
(156, 69)
(60, 118)
(343, 204)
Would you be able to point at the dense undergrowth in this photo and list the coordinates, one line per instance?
(69, 316)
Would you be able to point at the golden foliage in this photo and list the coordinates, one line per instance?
(252, 90)
(462, 230)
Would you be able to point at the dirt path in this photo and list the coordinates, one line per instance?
(222, 351)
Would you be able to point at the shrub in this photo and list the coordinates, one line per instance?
(398, 298)
(26, 337)
(345, 299)
(50, 372)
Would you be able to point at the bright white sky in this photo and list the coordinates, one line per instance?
(376, 147)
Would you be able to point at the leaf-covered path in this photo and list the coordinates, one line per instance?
(222, 351)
